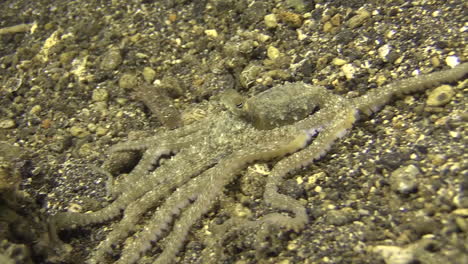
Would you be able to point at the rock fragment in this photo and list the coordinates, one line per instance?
(440, 96)
(404, 179)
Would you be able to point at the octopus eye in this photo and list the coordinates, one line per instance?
(240, 104)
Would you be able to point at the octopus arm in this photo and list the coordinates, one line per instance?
(319, 146)
(139, 188)
(376, 98)
(134, 211)
(213, 179)
(342, 121)
(149, 159)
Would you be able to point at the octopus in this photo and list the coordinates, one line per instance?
(182, 173)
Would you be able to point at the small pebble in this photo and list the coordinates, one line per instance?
(452, 61)
(111, 60)
(273, 53)
(349, 70)
(211, 33)
(290, 18)
(339, 62)
(394, 254)
(270, 21)
(435, 61)
(359, 19)
(7, 123)
(91, 127)
(404, 179)
(246, 47)
(336, 20)
(242, 211)
(86, 150)
(100, 95)
(149, 74)
(78, 131)
(454, 134)
(35, 109)
(128, 81)
(327, 27)
(384, 51)
(249, 74)
(101, 131)
(380, 80)
(390, 34)
(440, 96)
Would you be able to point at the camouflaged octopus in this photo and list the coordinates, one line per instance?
(291, 125)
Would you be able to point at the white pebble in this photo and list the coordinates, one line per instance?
(452, 61)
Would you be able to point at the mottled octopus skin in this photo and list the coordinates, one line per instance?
(277, 124)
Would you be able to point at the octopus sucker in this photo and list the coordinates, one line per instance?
(290, 125)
